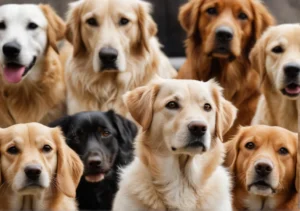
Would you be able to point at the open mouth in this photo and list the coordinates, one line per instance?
(292, 90)
(93, 178)
(14, 72)
(111, 67)
(196, 144)
(261, 185)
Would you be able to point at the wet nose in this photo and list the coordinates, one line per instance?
(11, 50)
(197, 128)
(94, 162)
(33, 172)
(292, 70)
(224, 34)
(263, 169)
(108, 55)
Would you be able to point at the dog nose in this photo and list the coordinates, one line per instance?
(94, 162)
(224, 34)
(263, 169)
(11, 50)
(292, 70)
(108, 55)
(33, 172)
(197, 128)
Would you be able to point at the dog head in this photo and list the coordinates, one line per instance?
(34, 157)
(277, 59)
(102, 140)
(224, 27)
(26, 31)
(110, 31)
(186, 116)
(263, 160)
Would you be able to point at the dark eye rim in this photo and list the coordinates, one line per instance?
(14, 152)
(2, 25)
(175, 107)
(123, 21)
(212, 11)
(92, 22)
(47, 148)
(286, 151)
(247, 145)
(277, 49)
(207, 107)
(32, 26)
(243, 16)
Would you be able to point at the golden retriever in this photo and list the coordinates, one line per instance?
(276, 57)
(179, 151)
(115, 50)
(220, 35)
(263, 162)
(38, 171)
(32, 87)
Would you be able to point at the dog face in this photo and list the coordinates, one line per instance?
(110, 30)
(226, 28)
(103, 141)
(276, 56)
(32, 155)
(25, 33)
(188, 122)
(264, 158)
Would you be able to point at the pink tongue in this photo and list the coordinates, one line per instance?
(13, 74)
(293, 91)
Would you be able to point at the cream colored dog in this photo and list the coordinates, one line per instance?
(179, 151)
(277, 58)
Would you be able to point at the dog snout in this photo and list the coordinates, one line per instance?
(197, 128)
(292, 70)
(224, 34)
(11, 50)
(108, 55)
(33, 171)
(94, 162)
(263, 168)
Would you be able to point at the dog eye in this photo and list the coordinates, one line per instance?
(250, 145)
(207, 107)
(32, 26)
(283, 151)
(2, 25)
(278, 49)
(123, 21)
(212, 11)
(47, 148)
(243, 16)
(172, 105)
(92, 22)
(13, 150)
(105, 133)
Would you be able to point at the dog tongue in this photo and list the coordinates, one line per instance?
(94, 178)
(14, 74)
(295, 90)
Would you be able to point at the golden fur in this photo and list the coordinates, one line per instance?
(61, 169)
(140, 58)
(232, 70)
(167, 174)
(268, 141)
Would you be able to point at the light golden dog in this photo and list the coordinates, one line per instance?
(32, 87)
(179, 152)
(38, 171)
(276, 57)
(263, 162)
(115, 50)
(220, 35)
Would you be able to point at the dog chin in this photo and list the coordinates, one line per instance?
(266, 191)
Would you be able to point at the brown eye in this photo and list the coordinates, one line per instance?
(278, 49)
(212, 11)
(172, 105)
(92, 22)
(207, 107)
(47, 148)
(13, 150)
(283, 151)
(123, 21)
(243, 16)
(105, 133)
(250, 145)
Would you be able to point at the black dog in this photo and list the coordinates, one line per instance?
(104, 142)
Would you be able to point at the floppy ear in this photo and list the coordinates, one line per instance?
(56, 26)
(64, 123)
(148, 27)
(140, 104)
(69, 166)
(73, 31)
(226, 111)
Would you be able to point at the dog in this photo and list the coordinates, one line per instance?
(104, 142)
(220, 37)
(179, 150)
(38, 171)
(115, 50)
(277, 61)
(32, 87)
(263, 162)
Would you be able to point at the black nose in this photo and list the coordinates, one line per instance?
(263, 169)
(224, 34)
(11, 50)
(94, 162)
(197, 128)
(292, 70)
(33, 172)
(108, 55)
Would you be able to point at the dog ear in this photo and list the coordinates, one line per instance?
(226, 111)
(147, 26)
(0, 157)
(69, 166)
(64, 123)
(56, 26)
(297, 180)
(140, 104)
(73, 31)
